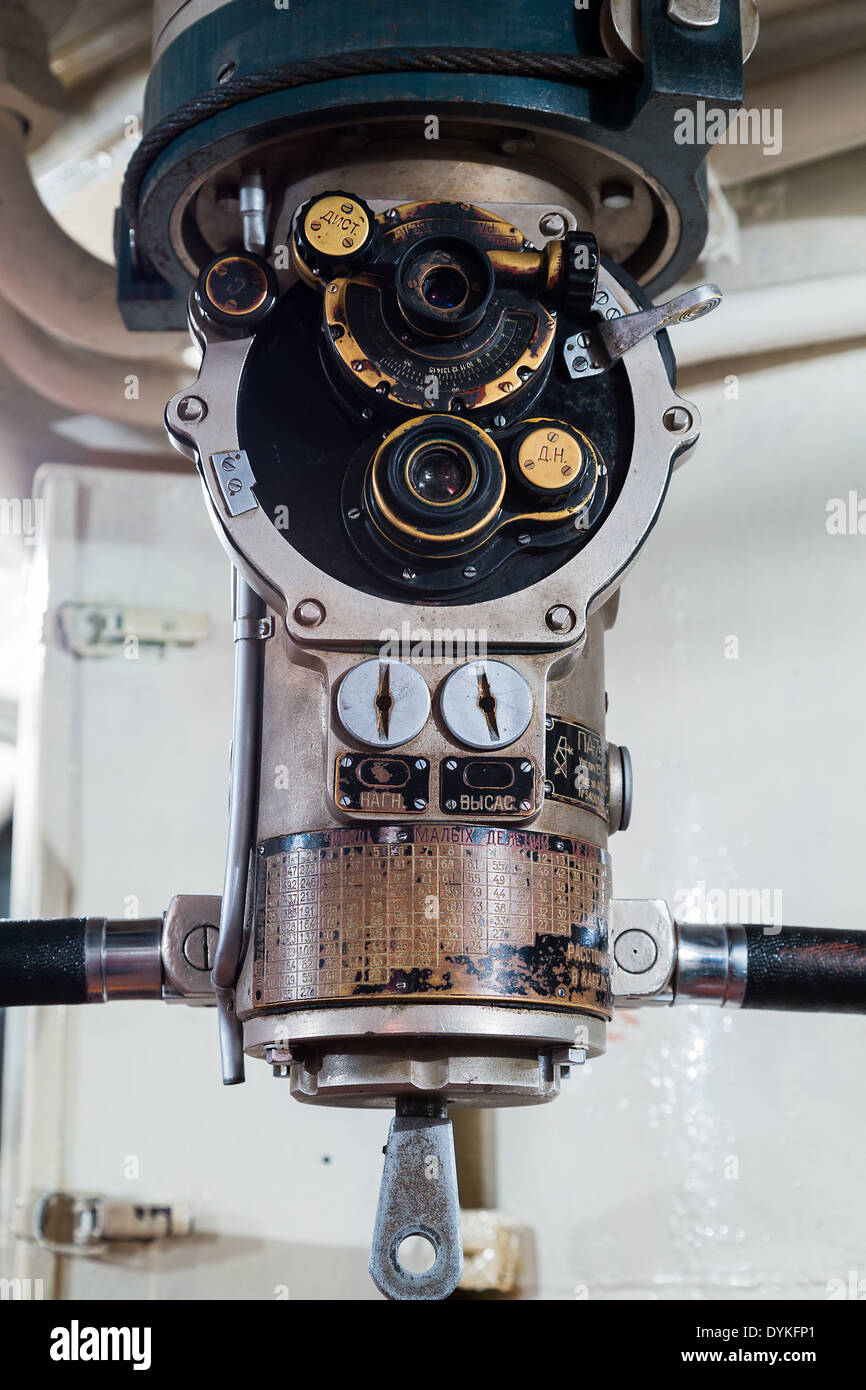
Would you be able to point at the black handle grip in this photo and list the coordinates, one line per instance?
(803, 969)
(43, 962)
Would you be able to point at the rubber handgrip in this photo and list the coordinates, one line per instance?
(800, 968)
(42, 962)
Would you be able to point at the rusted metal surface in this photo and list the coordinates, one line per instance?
(434, 912)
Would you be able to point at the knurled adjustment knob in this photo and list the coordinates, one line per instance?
(334, 232)
(579, 272)
(237, 290)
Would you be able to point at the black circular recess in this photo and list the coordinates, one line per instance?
(311, 441)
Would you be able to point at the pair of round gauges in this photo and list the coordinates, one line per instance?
(385, 703)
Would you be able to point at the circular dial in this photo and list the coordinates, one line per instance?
(425, 326)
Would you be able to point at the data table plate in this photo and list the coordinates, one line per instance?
(433, 912)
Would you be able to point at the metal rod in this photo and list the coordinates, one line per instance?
(248, 611)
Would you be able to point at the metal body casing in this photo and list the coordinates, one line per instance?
(360, 1006)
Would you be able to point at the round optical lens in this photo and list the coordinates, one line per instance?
(439, 473)
(445, 287)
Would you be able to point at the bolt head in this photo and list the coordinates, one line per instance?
(191, 408)
(560, 618)
(552, 224)
(310, 613)
(677, 419)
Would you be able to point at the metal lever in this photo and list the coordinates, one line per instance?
(418, 1197)
(597, 349)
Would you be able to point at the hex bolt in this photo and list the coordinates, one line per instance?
(560, 618)
(552, 224)
(677, 419)
(310, 613)
(191, 408)
(199, 946)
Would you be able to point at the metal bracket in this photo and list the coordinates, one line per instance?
(597, 349)
(236, 479)
(418, 1197)
(643, 952)
(190, 931)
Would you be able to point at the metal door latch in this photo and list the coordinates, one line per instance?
(71, 1223)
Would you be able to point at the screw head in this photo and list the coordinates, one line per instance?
(199, 946)
(560, 618)
(345, 801)
(450, 805)
(451, 764)
(419, 803)
(310, 613)
(470, 572)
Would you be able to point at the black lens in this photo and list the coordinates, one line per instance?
(440, 472)
(444, 287)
